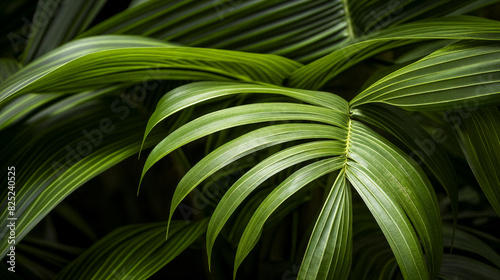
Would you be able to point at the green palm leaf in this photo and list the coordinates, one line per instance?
(242, 188)
(300, 30)
(328, 254)
(287, 188)
(479, 135)
(285, 28)
(272, 137)
(18, 108)
(246, 144)
(102, 61)
(194, 93)
(237, 116)
(45, 105)
(57, 165)
(396, 191)
(317, 73)
(23, 105)
(423, 145)
(400, 181)
(458, 266)
(134, 251)
(58, 23)
(463, 74)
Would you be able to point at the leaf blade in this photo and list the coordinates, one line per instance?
(418, 140)
(136, 251)
(261, 172)
(287, 188)
(314, 75)
(240, 115)
(388, 179)
(463, 74)
(479, 135)
(328, 254)
(194, 93)
(104, 60)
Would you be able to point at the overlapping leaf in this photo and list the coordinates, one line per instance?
(302, 30)
(20, 107)
(463, 74)
(56, 165)
(287, 188)
(328, 254)
(194, 93)
(455, 266)
(424, 146)
(247, 183)
(44, 105)
(56, 22)
(319, 72)
(396, 191)
(134, 251)
(479, 135)
(96, 62)
(241, 115)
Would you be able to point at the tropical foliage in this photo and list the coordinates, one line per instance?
(339, 139)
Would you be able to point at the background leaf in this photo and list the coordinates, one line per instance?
(105, 60)
(480, 138)
(396, 191)
(134, 251)
(426, 147)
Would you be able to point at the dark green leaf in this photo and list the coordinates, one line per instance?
(134, 251)
(328, 255)
(319, 72)
(480, 138)
(464, 74)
